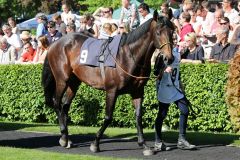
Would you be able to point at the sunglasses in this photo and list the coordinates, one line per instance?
(224, 23)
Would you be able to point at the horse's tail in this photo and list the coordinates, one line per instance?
(48, 83)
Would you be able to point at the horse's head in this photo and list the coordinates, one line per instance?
(163, 33)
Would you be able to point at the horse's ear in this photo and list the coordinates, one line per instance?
(155, 15)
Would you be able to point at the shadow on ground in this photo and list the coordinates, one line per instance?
(9, 126)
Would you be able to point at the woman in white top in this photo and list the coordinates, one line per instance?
(13, 25)
(66, 13)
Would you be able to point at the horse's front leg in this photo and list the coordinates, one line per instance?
(137, 102)
(62, 113)
(110, 105)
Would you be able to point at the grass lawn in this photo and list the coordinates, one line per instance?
(9, 153)
(198, 138)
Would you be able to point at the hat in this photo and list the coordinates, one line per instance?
(41, 16)
(25, 35)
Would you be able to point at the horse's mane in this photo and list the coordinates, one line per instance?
(142, 29)
(136, 34)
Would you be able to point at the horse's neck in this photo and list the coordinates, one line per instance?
(144, 51)
(142, 54)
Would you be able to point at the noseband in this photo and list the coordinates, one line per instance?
(161, 53)
(164, 45)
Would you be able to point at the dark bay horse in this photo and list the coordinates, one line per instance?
(62, 73)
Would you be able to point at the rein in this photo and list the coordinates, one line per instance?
(138, 77)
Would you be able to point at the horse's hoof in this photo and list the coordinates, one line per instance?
(69, 145)
(94, 148)
(62, 142)
(65, 144)
(148, 152)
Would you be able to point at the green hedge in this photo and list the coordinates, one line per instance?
(21, 99)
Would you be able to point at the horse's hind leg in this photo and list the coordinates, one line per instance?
(110, 104)
(137, 102)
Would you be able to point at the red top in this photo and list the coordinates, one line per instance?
(185, 30)
(28, 56)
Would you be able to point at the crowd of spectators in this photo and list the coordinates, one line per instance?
(202, 33)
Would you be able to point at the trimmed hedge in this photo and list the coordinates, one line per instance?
(21, 99)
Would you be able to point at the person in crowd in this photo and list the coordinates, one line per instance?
(226, 22)
(197, 26)
(42, 24)
(60, 25)
(71, 18)
(218, 15)
(144, 11)
(123, 28)
(107, 31)
(169, 91)
(91, 27)
(25, 37)
(186, 26)
(218, 6)
(129, 14)
(71, 28)
(114, 29)
(8, 53)
(166, 11)
(222, 51)
(230, 12)
(66, 13)
(193, 53)
(13, 25)
(206, 18)
(187, 5)
(83, 24)
(235, 38)
(53, 34)
(103, 15)
(27, 54)
(13, 39)
(41, 53)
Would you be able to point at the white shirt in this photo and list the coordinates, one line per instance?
(146, 18)
(232, 16)
(7, 56)
(65, 16)
(207, 23)
(14, 40)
